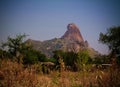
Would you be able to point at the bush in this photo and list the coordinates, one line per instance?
(33, 57)
(74, 61)
(30, 57)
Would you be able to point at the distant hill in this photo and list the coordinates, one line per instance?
(72, 40)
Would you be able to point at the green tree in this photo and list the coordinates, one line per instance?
(15, 45)
(30, 57)
(22, 51)
(112, 39)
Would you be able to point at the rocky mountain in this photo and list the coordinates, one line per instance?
(72, 40)
(73, 33)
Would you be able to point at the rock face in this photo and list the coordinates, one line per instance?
(72, 40)
(73, 33)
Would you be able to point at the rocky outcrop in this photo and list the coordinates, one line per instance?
(73, 33)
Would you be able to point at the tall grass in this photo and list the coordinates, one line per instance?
(110, 78)
(15, 75)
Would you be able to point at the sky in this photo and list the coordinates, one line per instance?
(48, 19)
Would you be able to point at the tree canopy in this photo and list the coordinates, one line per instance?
(15, 45)
(20, 50)
(111, 38)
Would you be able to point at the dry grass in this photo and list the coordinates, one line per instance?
(111, 78)
(13, 74)
(67, 79)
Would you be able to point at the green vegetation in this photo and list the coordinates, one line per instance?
(112, 39)
(74, 61)
(21, 51)
(15, 45)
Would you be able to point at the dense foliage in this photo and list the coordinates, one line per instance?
(74, 61)
(15, 45)
(16, 48)
(112, 39)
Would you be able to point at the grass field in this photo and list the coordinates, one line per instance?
(13, 74)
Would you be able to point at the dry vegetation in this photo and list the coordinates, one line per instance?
(13, 74)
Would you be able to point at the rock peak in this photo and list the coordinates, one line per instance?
(71, 26)
(73, 33)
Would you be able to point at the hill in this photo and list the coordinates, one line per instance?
(72, 40)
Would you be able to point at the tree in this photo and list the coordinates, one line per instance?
(15, 45)
(22, 51)
(112, 39)
(30, 57)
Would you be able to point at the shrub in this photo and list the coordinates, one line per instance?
(30, 57)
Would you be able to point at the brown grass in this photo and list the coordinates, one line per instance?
(13, 74)
(67, 79)
(111, 78)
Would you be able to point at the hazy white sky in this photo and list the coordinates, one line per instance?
(47, 19)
